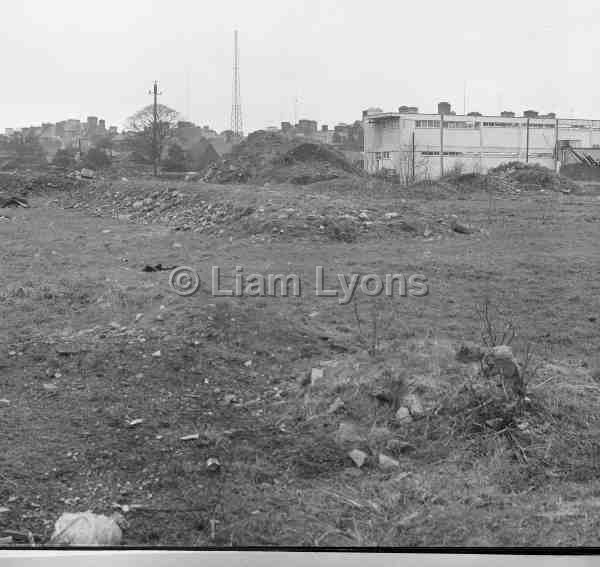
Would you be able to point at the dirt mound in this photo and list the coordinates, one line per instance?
(511, 178)
(20, 184)
(516, 176)
(271, 157)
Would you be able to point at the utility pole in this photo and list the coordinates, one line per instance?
(413, 158)
(556, 147)
(155, 156)
(441, 145)
(527, 143)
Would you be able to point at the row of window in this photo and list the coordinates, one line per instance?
(457, 124)
(386, 155)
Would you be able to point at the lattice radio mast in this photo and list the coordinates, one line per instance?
(236, 106)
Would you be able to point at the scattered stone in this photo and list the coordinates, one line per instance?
(87, 173)
(134, 422)
(403, 415)
(87, 528)
(358, 457)
(49, 387)
(461, 228)
(14, 202)
(213, 464)
(387, 463)
(413, 403)
(400, 447)
(4, 510)
(4, 401)
(156, 354)
(229, 399)
(190, 437)
(248, 363)
(316, 374)
(337, 405)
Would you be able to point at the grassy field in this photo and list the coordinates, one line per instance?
(90, 343)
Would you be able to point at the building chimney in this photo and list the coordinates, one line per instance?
(531, 114)
(444, 108)
(507, 114)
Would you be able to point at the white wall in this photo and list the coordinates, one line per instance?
(476, 145)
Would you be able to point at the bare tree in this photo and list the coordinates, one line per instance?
(151, 130)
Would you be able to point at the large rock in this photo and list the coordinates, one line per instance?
(358, 457)
(88, 173)
(403, 415)
(87, 528)
(316, 376)
(460, 227)
(387, 463)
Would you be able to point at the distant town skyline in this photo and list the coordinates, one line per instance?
(336, 58)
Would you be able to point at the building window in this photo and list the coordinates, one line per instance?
(427, 124)
(448, 124)
(377, 155)
(386, 155)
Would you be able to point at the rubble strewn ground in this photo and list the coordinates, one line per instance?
(219, 421)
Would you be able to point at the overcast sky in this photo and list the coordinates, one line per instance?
(69, 59)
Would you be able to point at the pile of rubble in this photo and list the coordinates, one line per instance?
(271, 157)
(19, 185)
(512, 178)
(264, 218)
(515, 177)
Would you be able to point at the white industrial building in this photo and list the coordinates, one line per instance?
(420, 146)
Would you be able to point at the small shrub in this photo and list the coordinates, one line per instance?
(64, 159)
(96, 158)
(176, 159)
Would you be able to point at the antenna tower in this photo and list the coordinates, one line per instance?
(236, 105)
